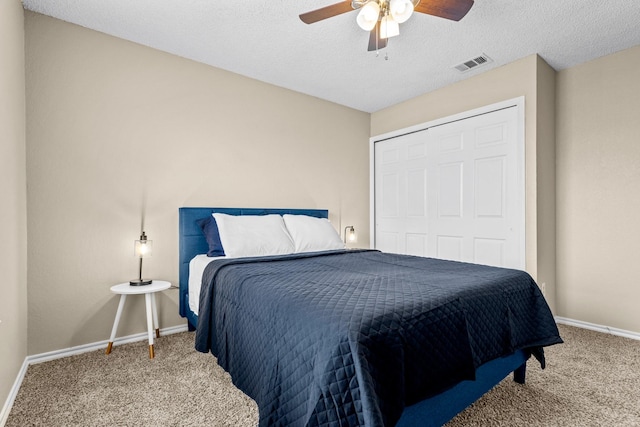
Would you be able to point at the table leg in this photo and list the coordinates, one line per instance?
(154, 307)
(147, 300)
(123, 298)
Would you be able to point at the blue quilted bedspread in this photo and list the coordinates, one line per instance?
(349, 338)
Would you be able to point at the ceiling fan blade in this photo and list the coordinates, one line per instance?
(326, 12)
(375, 35)
(448, 9)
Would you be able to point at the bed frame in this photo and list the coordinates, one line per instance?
(436, 410)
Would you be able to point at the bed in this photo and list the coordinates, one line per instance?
(289, 329)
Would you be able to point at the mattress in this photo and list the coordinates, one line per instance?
(196, 268)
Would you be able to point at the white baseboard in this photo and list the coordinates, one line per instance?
(13, 393)
(598, 328)
(58, 354)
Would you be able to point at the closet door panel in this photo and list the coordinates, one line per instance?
(489, 212)
(453, 191)
(400, 195)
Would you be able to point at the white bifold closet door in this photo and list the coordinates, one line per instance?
(453, 191)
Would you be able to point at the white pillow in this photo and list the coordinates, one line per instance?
(253, 235)
(311, 234)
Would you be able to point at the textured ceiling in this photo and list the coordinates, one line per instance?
(265, 40)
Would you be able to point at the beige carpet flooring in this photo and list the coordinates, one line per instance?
(591, 380)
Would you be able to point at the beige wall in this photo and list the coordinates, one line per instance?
(598, 193)
(13, 208)
(119, 133)
(532, 78)
(546, 179)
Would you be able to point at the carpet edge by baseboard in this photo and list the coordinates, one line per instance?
(72, 351)
(598, 328)
(8, 404)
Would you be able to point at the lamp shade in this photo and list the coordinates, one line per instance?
(400, 10)
(350, 235)
(142, 248)
(368, 15)
(388, 27)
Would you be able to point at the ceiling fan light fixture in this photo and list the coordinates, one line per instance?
(368, 15)
(388, 27)
(381, 18)
(401, 10)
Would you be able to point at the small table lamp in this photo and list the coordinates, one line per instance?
(350, 235)
(142, 249)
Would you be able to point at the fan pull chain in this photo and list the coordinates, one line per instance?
(386, 52)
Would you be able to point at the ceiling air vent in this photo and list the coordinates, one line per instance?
(473, 63)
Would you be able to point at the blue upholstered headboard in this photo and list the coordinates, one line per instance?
(192, 241)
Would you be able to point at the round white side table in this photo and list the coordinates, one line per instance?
(149, 291)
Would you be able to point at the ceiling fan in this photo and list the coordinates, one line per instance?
(381, 17)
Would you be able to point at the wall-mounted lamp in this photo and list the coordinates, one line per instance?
(350, 235)
(142, 249)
